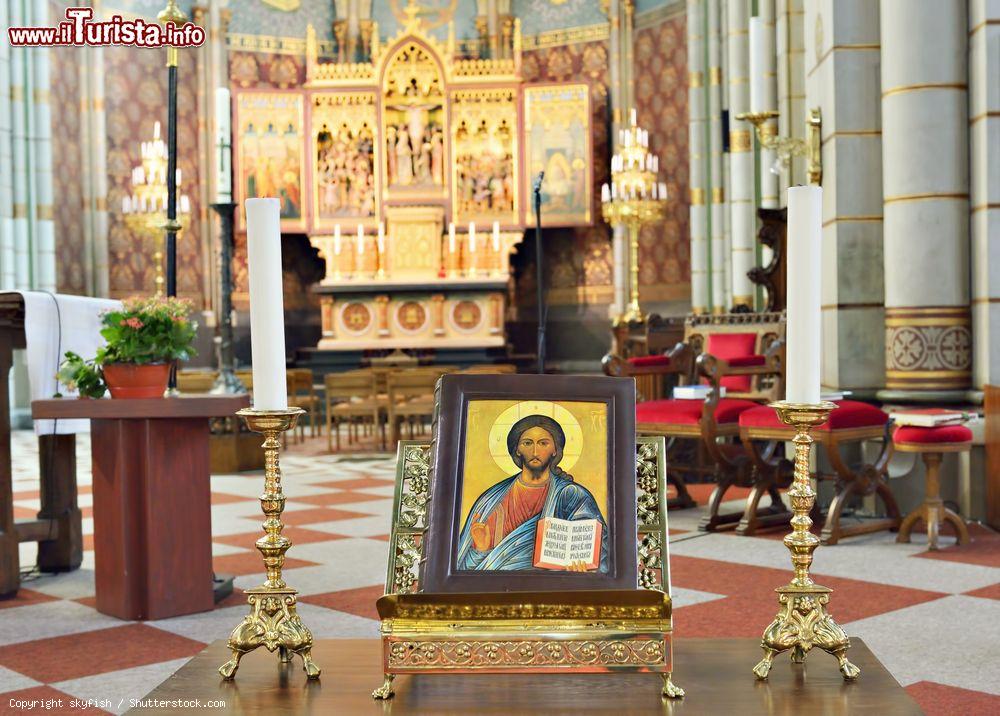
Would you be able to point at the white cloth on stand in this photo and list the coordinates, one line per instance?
(54, 324)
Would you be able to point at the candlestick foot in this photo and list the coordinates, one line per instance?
(274, 624)
(801, 624)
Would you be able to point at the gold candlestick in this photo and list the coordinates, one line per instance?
(273, 622)
(802, 620)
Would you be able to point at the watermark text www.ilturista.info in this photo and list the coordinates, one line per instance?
(80, 29)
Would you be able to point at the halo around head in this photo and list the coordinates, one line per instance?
(502, 425)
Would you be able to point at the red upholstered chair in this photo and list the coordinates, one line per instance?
(711, 424)
(931, 444)
(762, 432)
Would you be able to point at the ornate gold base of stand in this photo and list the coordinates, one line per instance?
(803, 623)
(274, 624)
(530, 632)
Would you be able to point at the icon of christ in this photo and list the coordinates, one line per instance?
(538, 517)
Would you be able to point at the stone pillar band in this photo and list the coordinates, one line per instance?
(928, 347)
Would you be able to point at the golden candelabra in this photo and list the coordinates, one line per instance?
(788, 147)
(633, 198)
(273, 621)
(802, 621)
(145, 209)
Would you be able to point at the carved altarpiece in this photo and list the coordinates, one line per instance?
(412, 140)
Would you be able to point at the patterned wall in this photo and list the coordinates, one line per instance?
(578, 262)
(661, 98)
(67, 191)
(135, 98)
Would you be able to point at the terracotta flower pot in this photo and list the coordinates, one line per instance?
(128, 380)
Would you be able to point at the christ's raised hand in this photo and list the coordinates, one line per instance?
(481, 538)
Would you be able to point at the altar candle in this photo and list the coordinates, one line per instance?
(267, 315)
(156, 130)
(361, 241)
(472, 237)
(758, 61)
(632, 116)
(451, 237)
(805, 220)
(223, 141)
(663, 190)
(125, 206)
(381, 239)
(605, 194)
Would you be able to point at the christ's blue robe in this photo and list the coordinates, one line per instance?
(565, 500)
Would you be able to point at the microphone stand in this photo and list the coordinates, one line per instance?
(542, 308)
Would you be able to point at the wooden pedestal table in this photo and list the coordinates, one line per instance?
(715, 674)
(152, 500)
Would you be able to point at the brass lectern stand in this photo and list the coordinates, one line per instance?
(526, 632)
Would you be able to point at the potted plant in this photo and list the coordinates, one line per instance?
(144, 338)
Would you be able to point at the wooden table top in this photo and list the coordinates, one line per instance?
(183, 406)
(715, 673)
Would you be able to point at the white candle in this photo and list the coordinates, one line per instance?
(605, 194)
(381, 239)
(472, 237)
(759, 47)
(632, 116)
(185, 204)
(451, 237)
(267, 315)
(663, 190)
(496, 236)
(156, 130)
(361, 240)
(803, 352)
(125, 206)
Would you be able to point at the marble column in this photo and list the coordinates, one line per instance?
(925, 185)
(94, 162)
(700, 290)
(741, 179)
(717, 211)
(842, 79)
(769, 192)
(984, 153)
(790, 51)
(6, 160)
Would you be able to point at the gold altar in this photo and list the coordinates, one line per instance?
(409, 172)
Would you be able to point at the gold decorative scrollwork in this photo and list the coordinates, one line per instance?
(650, 513)
(409, 517)
(461, 653)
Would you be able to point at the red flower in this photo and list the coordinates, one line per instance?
(132, 322)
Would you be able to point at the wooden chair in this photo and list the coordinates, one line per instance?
(195, 381)
(851, 423)
(411, 396)
(352, 396)
(742, 352)
(490, 369)
(302, 394)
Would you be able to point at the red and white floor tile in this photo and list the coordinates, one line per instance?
(931, 618)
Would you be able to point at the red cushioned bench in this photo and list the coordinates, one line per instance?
(761, 432)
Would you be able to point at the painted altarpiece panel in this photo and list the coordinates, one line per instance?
(486, 162)
(557, 137)
(270, 159)
(414, 124)
(345, 150)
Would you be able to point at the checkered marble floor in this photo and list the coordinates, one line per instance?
(933, 619)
